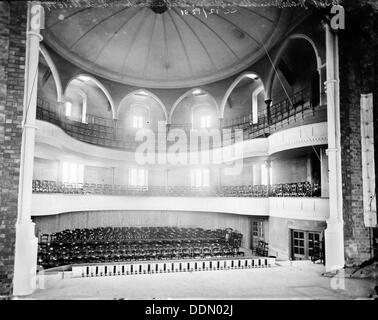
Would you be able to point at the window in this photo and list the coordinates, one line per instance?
(255, 104)
(68, 109)
(84, 109)
(72, 172)
(137, 122)
(205, 122)
(258, 229)
(138, 177)
(200, 178)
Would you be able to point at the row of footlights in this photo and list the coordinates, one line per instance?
(168, 267)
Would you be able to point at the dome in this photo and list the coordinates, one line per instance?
(163, 48)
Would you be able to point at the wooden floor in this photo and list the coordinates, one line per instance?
(291, 280)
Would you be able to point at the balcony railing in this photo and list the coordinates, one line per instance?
(105, 132)
(283, 114)
(299, 189)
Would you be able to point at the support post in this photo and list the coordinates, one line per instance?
(268, 103)
(24, 281)
(334, 234)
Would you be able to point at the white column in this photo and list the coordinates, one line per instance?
(24, 280)
(334, 234)
(309, 169)
(324, 183)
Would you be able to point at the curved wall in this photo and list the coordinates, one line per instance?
(53, 143)
(50, 204)
(144, 218)
(316, 209)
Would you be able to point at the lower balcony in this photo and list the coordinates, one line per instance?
(45, 204)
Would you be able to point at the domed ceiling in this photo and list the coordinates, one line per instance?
(161, 47)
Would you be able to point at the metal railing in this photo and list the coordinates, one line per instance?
(106, 132)
(298, 189)
(283, 114)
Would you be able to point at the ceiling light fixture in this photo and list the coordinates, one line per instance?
(158, 6)
(141, 93)
(84, 78)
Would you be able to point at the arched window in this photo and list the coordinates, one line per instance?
(141, 109)
(88, 97)
(255, 103)
(76, 105)
(196, 108)
(138, 116)
(203, 116)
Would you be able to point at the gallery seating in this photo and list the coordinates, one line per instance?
(297, 189)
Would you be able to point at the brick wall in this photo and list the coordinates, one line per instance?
(358, 75)
(12, 69)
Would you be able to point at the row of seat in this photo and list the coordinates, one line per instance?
(164, 235)
(298, 189)
(50, 259)
(125, 244)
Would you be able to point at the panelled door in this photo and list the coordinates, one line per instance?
(298, 245)
(258, 232)
(303, 243)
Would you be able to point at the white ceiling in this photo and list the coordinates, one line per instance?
(139, 47)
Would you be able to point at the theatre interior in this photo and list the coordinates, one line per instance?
(101, 105)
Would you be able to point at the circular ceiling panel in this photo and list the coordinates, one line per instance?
(156, 48)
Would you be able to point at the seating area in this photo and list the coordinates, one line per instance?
(118, 244)
(299, 189)
(104, 132)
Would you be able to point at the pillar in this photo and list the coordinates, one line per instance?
(309, 169)
(324, 183)
(221, 123)
(24, 281)
(268, 103)
(334, 234)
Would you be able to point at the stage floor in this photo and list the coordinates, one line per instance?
(297, 280)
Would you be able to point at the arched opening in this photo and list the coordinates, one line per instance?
(195, 109)
(99, 101)
(141, 109)
(244, 99)
(86, 101)
(296, 71)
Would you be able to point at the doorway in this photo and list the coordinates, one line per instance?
(303, 243)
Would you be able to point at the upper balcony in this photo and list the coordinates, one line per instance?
(294, 112)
